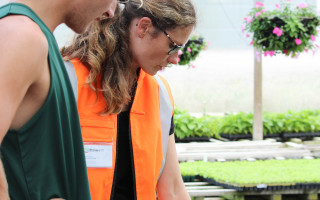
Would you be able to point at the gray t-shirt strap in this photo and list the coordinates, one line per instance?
(73, 78)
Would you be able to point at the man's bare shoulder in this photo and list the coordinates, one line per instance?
(23, 69)
(22, 38)
(21, 30)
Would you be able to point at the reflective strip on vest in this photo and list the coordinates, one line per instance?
(73, 78)
(166, 109)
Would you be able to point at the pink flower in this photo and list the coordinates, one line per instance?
(180, 52)
(188, 49)
(314, 52)
(208, 43)
(277, 6)
(297, 41)
(258, 4)
(302, 5)
(288, 0)
(251, 43)
(263, 10)
(178, 59)
(277, 31)
(247, 35)
(285, 52)
(193, 66)
(249, 20)
(313, 38)
(271, 53)
(306, 50)
(258, 13)
(242, 28)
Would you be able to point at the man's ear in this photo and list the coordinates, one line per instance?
(144, 25)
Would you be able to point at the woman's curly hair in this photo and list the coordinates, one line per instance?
(104, 47)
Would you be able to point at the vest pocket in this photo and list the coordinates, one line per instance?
(98, 130)
(97, 122)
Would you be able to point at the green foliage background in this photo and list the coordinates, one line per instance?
(306, 121)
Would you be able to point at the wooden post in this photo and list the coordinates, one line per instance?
(257, 101)
(257, 115)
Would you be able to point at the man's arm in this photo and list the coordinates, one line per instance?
(3, 184)
(170, 185)
(22, 56)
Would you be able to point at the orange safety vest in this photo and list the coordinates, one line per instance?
(150, 121)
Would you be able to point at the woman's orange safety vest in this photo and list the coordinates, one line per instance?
(150, 121)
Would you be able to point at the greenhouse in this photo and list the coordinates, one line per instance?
(174, 99)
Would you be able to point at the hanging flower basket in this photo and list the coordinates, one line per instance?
(284, 30)
(191, 50)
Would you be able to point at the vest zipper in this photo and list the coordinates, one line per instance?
(115, 164)
(132, 163)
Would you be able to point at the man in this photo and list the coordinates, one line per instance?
(41, 145)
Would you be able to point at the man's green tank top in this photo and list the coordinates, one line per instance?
(45, 158)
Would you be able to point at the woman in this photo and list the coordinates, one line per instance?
(125, 109)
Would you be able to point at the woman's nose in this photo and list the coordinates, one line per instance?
(174, 58)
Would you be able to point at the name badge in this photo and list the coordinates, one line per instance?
(98, 154)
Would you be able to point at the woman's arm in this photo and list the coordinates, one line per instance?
(170, 185)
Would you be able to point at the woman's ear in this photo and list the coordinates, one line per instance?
(144, 25)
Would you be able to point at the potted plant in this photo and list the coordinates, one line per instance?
(285, 30)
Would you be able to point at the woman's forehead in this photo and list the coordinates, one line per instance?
(181, 34)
